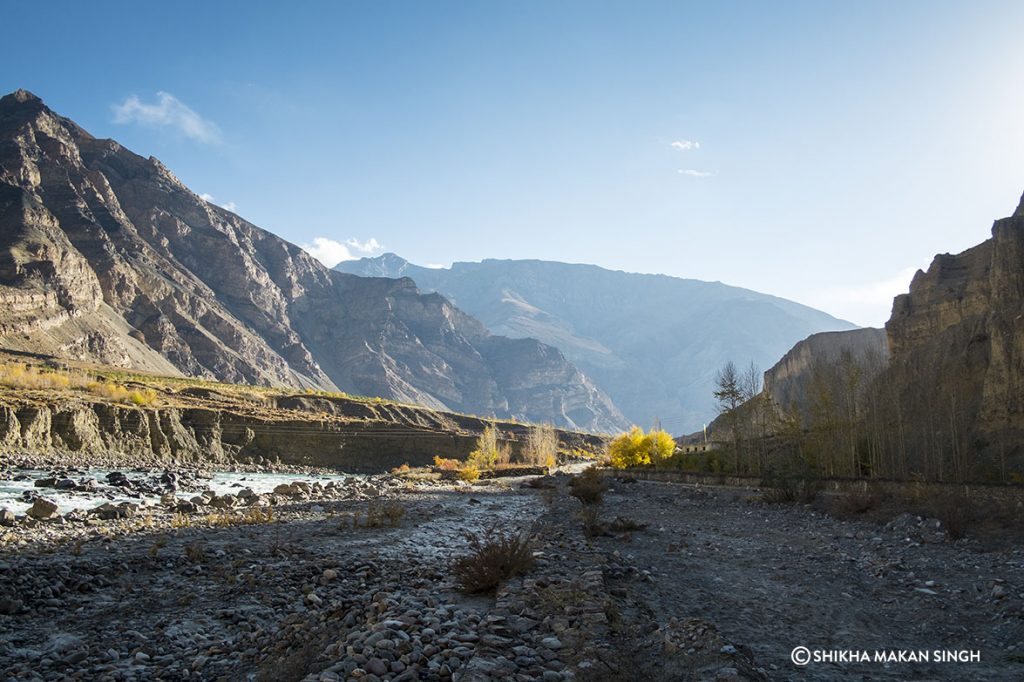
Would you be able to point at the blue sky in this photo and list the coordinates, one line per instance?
(825, 150)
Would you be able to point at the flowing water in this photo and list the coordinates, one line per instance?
(12, 490)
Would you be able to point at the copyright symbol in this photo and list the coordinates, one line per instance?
(801, 655)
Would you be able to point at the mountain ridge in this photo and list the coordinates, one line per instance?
(597, 317)
(106, 255)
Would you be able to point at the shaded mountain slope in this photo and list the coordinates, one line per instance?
(652, 342)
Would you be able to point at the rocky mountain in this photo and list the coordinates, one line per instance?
(652, 342)
(956, 374)
(107, 256)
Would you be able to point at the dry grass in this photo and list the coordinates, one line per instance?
(30, 377)
(252, 515)
(494, 556)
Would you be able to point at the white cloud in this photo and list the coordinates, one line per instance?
(230, 205)
(331, 252)
(435, 266)
(367, 247)
(868, 304)
(684, 145)
(167, 112)
(696, 173)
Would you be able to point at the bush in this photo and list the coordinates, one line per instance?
(635, 448)
(494, 556)
(446, 464)
(591, 519)
(488, 453)
(469, 473)
(588, 487)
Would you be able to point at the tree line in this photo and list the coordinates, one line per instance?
(854, 417)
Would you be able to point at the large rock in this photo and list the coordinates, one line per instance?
(43, 509)
(106, 256)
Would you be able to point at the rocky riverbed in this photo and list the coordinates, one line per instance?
(354, 582)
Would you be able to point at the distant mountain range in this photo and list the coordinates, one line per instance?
(651, 342)
(106, 256)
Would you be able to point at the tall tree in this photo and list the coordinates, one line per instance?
(729, 394)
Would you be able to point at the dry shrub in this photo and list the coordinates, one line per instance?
(957, 511)
(379, 515)
(591, 519)
(856, 502)
(493, 557)
(623, 524)
(588, 487)
(446, 464)
(541, 447)
(403, 469)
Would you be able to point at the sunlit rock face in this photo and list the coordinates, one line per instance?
(107, 256)
(957, 344)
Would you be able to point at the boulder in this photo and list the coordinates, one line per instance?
(43, 509)
(227, 501)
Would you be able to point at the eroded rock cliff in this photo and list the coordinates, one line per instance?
(209, 428)
(957, 343)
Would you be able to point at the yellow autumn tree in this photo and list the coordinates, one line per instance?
(636, 448)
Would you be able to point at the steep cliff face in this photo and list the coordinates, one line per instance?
(788, 382)
(107, 256)
(957, 342)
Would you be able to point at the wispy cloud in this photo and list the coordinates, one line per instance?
(684, 145)
(331, 252)
(435, 266)
(167, 112)
(696, 173)
(229, 205)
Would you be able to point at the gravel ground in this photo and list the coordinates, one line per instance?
(772, 578)
(715, 587)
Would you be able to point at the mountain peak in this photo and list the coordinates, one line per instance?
(1019, 213)
(388, 264)
(21, 100)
